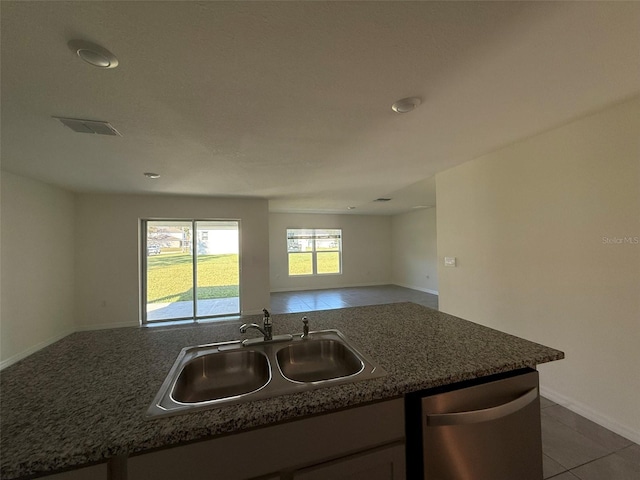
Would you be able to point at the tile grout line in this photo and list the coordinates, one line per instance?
(570, 470)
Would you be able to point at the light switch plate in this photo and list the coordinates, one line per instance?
(449, 261)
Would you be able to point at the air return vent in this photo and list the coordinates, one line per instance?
(382, 199)
(89, 126)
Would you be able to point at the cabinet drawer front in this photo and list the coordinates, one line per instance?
(386, 463)
(95, 472)
(286, 446)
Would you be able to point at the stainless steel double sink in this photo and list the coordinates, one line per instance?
(207, 376)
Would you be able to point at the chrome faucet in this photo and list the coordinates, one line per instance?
(266, 331)
(305, 328)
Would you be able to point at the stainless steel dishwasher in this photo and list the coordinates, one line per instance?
(486, 429)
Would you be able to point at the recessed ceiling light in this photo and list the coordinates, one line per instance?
(93, 54)
(405, 105)
(151, 175)
(351, 208)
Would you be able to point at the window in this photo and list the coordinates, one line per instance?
(314, 251)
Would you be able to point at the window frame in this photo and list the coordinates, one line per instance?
(314, 252)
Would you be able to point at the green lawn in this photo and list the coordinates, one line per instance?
(170, 277)
(301, 263)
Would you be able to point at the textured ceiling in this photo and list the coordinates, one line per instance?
(290, 101)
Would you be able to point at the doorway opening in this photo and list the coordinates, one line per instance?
(190, 269)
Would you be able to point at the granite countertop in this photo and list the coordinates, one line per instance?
(83, 399)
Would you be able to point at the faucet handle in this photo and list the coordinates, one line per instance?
(305, 327)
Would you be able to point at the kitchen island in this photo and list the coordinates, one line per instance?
(83, 399)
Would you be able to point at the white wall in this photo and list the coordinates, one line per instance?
(37, 250)
(529, 226)
(414, 259)
(107, 261)
(366, 247)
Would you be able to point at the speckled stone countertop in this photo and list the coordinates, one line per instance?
(83, 399)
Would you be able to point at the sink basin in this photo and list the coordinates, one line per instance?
(206, 376)
(317, 360)
(221, 375)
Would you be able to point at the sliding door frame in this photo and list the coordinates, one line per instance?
(143, 272)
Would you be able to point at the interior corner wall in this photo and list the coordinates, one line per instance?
(414, 259)
(37, 256)
(108, 254)
(366, 247)
(546, 233)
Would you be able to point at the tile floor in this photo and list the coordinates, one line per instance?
(293, 302)
(576, 448)
(573, 447)
(307, 300)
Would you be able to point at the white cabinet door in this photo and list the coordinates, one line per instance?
(386, 463)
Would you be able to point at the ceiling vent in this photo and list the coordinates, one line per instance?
(89, 126)
(382, 199)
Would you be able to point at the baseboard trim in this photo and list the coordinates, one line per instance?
(105, 326)
(249, 312)
(589, 413)
(33, 349)
(304, 289)
(421, 289)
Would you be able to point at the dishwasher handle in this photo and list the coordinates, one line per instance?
(483, 415)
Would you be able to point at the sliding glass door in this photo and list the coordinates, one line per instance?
(218, 269)
(191, 269)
